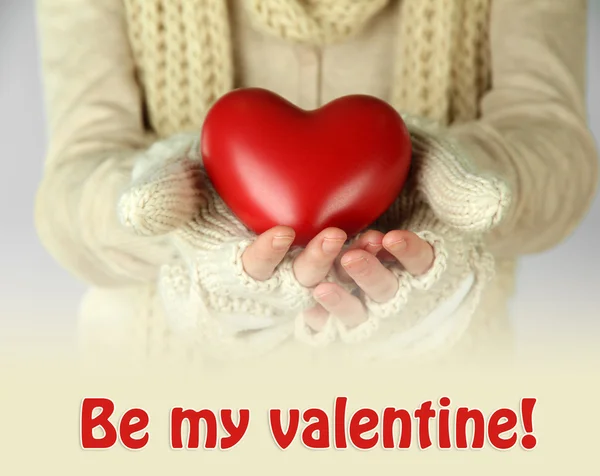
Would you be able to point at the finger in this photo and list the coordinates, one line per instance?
(386, 257)
(370, 241)
(413, 253)
(262, 257)
(376, 281)
(316, 318)
(341, 304)
(313, 264)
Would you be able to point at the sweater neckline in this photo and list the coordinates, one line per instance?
(315, 22)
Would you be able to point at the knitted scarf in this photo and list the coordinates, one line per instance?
(441, 71)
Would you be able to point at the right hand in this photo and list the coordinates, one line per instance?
(226, 287)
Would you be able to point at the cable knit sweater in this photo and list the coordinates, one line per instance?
(506, 78)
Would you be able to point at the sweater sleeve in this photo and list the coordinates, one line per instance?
(95, 122)
(533, 127)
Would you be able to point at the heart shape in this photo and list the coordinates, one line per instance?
(273, 163)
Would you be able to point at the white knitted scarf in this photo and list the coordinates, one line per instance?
(183, 51)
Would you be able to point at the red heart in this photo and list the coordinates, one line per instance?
(274, 164)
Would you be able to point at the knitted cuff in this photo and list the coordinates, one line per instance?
(445, 176)
(425, 281)
(305, 334)
(213, 224)
(360, 333)
(408, 282)
(377, 311)
(167, 187)
(213, 243)
(214, 325)
(393, 306)
(220, 272)
(439, 327)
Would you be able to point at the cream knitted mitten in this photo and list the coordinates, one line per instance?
(207, 294)
(452, 207)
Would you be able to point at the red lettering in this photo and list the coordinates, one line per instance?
(390, 415)
(424, 413)
(358, 428)
(463, 415)
(236, 432)
(528, 441)
(284, 439)
(340, 426)
(132, 421)
(444, 425)
(88, 423)
(178, 415)
(320, 427)
(496, 427)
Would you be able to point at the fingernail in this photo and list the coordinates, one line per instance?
(398, 245)
(357, 264)
(282, 242)
(332, 245)
(330, 297)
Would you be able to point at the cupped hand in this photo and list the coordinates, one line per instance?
(363, 265)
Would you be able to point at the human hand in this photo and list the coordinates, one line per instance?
(411, 284)
(225, 284)
(363, 265)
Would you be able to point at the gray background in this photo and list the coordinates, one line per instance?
(38, 298)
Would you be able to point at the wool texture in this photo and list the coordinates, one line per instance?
(446, 202)
(207, 291)
(441, 70)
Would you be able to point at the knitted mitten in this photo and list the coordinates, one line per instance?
(207, 294)
(452, 207)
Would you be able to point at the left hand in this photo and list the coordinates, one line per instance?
(362, 265)
(434, 236)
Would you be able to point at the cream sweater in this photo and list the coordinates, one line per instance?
(530, 129)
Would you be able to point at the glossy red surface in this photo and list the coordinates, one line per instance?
(273, 163)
